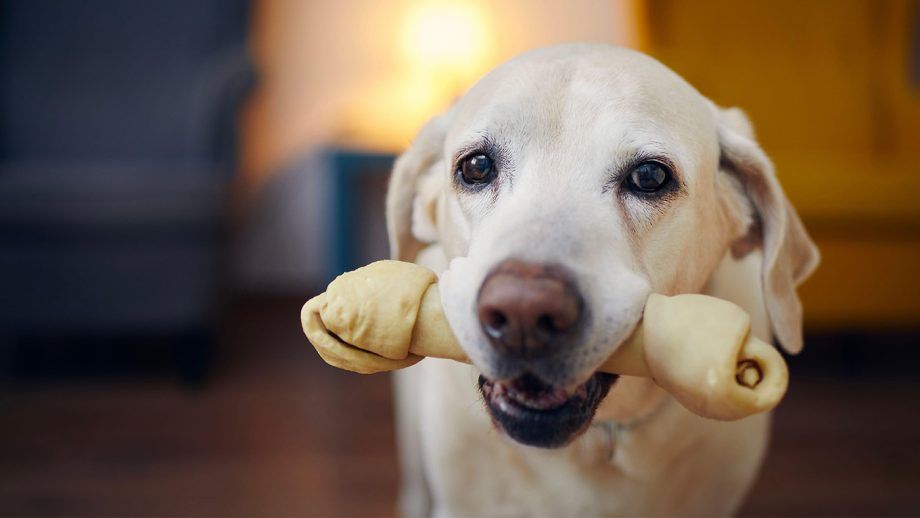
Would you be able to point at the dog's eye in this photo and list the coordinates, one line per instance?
(477, 169)
(648, 177)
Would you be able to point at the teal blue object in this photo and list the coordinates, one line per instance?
(348, 169)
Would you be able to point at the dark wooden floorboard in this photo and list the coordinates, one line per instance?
(276, 432)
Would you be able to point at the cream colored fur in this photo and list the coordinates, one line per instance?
(567, 116)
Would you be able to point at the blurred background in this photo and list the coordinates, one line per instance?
(178, 176)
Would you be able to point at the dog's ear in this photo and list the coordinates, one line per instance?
(413, 191)
(789, 255)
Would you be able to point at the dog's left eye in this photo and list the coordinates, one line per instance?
(477, 169)
(648, 177)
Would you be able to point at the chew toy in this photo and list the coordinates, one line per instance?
(388, 315)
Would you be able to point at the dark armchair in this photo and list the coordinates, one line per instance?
(117, 139)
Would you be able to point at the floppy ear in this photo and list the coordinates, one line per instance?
(413, 191)
(789, 255)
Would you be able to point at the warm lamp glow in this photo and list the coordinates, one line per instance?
(445, 45)
(446, 36)
(388, 113)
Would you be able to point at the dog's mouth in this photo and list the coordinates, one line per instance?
(539, 414)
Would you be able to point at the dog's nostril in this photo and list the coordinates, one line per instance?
(495, 323)
(546, 327)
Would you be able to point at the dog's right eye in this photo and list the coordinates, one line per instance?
(648, 177)
(477, 169)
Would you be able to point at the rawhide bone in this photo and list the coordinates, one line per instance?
(388, 315)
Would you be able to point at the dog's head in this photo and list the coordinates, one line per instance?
(568, 185)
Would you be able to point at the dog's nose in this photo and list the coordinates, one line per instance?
(529, 310)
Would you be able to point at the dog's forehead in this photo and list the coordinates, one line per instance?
(573, 92)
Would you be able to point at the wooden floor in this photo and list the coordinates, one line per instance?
(277, 433)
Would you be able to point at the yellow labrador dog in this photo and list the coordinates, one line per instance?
(565, 187)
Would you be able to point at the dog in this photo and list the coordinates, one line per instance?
(560, 191)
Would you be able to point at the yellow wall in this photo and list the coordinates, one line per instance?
(826, 84)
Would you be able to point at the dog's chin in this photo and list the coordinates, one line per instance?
(545, 416)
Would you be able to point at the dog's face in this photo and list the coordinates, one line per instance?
(568, 185)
